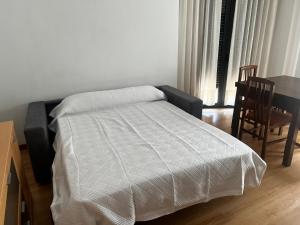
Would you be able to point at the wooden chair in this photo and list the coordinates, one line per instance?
(244, 73)
(260, 92)
(247, 71)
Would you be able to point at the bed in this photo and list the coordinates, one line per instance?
(140, 159)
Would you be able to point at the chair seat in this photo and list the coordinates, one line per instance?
(278, 119)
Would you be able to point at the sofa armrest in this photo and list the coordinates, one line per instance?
(188, 103)
(37, 139)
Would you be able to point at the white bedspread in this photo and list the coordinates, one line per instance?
(142, 161)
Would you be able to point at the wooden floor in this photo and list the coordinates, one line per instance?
(277, 201)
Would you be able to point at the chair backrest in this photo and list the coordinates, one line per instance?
(247, 71)
(259, 96)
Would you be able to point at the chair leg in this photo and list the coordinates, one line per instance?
(255, 126)
(280, 131)
(240, 135)
(264, 145)
(260, 132)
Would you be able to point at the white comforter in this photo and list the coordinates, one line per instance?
(142, 161)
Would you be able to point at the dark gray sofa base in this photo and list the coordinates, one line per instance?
(40, 139)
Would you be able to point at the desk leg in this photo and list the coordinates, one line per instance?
(291, 139)
(235, 117)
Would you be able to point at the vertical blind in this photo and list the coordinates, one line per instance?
(252, 33)
(199, 42)
(199, 30)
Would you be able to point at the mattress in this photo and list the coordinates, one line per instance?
(141, 161)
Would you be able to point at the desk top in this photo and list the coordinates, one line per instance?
(287, 86)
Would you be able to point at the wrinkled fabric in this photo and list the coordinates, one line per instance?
(142, 161)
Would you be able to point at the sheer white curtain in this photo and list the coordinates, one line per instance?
(199, 29)
(251, 39)
(292, 54)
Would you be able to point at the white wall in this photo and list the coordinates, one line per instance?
(284, 55)
(53, 48)
(298, 68)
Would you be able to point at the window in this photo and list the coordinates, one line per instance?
(227, 16)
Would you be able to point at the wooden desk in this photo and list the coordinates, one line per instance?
(13, 186)
(287, 97)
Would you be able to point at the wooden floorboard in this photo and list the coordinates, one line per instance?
(275, 202)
